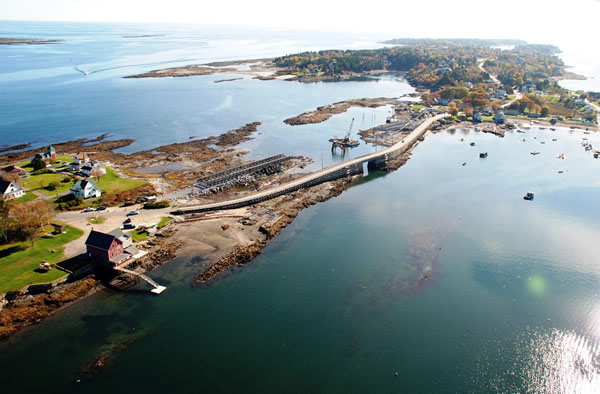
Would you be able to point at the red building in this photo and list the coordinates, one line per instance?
(15, 171)
(113, 248)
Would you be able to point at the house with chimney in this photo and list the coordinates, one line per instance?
(79, 160)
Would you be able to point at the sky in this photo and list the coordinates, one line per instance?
(532, 20)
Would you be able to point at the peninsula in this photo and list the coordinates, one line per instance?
(30, 41)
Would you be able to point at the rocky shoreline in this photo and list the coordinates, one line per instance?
(325, 112)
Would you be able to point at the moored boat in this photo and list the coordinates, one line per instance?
(529, 196)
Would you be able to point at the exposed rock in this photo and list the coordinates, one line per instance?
(32, 309)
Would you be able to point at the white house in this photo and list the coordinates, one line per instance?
(78, 161)
(86, 189)
(9, 190)
(93, 168)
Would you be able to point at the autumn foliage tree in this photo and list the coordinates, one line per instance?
(29, 217)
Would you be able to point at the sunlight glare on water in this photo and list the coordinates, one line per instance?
(560, 361)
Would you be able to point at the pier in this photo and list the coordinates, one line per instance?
(157, 288)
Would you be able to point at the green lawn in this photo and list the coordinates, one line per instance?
(139, 235)
(35, 181)
(29, 196)
(112, 183)
(163, 222)
(65, 159)
(19, 261)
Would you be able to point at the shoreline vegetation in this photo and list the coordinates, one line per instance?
(227, 240)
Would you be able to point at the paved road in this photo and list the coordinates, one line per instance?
(492, 77)
(399, 147)
(518, 96)
(597, 108)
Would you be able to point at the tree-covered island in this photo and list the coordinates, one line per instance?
(469, 74)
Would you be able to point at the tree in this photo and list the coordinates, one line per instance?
(96, 173)
(53, 185)
(6, 222)
(522, 105)
(519, 81)
(41, 211)
(26, 222)
(37, 163)
(452, 109)
(545, 111)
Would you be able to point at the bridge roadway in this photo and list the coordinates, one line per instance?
(324, 175)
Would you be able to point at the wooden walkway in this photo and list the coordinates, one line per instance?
(157, 288)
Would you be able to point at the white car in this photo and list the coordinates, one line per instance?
(131, 213)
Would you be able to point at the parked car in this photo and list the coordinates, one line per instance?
(128, 220)
(89, 209)
(128, 226)
(101, 208)
(131, 213)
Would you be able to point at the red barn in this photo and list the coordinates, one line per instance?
(106, 248)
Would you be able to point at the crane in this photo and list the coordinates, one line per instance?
(345, 142)
(349, 130)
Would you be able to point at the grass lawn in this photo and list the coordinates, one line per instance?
(19, 261)
(34, 182)
(417, 107)
(113, 183)
(139, 235)
(163, 222)
(29, 196)
(64, 158)
(98, 220)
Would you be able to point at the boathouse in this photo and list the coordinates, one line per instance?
(112, 248)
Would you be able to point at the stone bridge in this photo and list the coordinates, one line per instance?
(348, 168)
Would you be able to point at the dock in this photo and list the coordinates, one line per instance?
(157, 288)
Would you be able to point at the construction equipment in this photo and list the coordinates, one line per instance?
(345, 142)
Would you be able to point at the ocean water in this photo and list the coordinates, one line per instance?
(438, 272)
(46, 99)
(438, 277)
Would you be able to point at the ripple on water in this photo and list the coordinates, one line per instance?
(543, 361)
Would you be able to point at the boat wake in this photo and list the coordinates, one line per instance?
(84, 72)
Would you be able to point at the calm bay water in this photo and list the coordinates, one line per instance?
(338, 302)
(438, 272)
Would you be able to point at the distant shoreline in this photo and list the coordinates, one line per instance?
(28, 41)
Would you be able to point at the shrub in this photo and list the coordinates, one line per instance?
(42, 171)
(52, 185)
(157, 204)
(66, 180)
